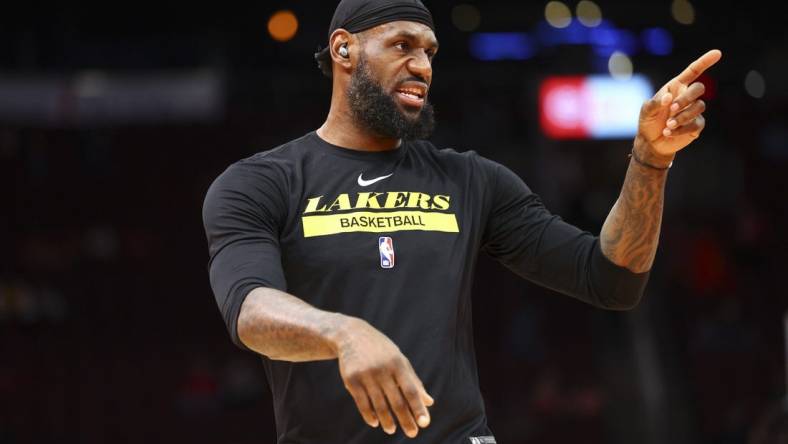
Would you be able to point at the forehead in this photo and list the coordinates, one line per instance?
(415, 30)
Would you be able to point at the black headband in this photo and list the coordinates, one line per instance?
(360, 15)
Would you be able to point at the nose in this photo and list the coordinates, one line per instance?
(421, 66)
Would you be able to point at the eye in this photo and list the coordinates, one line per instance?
(403, 46)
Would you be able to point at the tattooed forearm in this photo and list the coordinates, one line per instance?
(283, 327)
(631, 231)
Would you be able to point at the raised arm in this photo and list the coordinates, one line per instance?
(669, 121)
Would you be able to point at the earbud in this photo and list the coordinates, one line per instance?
(343, 51)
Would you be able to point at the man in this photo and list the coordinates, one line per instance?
(345, 257)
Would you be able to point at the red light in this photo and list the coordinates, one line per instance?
(711, 86)
(562, 106)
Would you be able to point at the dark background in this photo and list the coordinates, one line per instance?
(108, 328)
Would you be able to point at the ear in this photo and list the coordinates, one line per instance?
(340, 38)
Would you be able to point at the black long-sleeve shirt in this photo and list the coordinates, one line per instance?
(391, 237)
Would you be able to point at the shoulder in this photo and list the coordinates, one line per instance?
(458, 157)
(280, 158)
(275, 166)
(493, 176)
(263, 177)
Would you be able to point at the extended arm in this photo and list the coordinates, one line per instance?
(543, 248)
(668, 122)
(630, 233)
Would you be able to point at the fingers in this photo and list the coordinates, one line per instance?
(652, 107)
(416, 396)
(425, 397)
(693, 128)
(382, 395)
(696, 68)
(686, 116)
(381, 407)
(400, 407)
(690, 95)
(359, 394)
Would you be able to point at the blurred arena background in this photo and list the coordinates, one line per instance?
(115, 118)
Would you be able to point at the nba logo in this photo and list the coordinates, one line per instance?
(386, 247)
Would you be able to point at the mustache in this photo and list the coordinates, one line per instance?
(413, 79)
(377, 110)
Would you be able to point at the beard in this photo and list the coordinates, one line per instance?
(378, 112)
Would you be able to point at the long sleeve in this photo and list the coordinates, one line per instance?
(539, 246)
(242, 213)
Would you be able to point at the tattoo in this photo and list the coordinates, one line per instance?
(630, 233)
(286, 328)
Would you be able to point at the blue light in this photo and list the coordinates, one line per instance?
(547, 35)
(657, 41)
(574, 34)
(603, 36)
(606, 41)
(489, 46)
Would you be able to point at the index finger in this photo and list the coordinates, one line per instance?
(696, 68)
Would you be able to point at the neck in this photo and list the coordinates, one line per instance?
(341, 129)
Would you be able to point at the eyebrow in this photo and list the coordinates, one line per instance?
(412, 36)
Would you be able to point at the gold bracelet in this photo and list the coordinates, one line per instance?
(632, 155)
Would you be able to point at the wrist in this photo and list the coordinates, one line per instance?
(337, 330)
(645, 154)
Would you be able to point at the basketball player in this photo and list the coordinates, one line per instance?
(345, 257)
